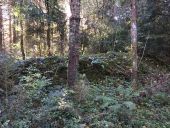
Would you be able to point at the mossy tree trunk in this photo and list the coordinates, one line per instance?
(73, 42)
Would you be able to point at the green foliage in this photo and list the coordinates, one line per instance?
(105, 101)
(125, 92)
(108, 103)
(161, 99)
(6, 66)
(130, 105)
(111, 106)
(40, 104)
(34, 83)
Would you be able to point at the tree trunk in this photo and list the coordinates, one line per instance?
(73, 42)
(48, 29)
(62, 37)
(134, 43)
(14, 30)
(44, 47)
(10, 28)
(1, 28)
(22, 34)
(48, 38)
(39, 38)
(22, 40)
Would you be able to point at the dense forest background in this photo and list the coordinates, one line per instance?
(84, 64)
(105, 26)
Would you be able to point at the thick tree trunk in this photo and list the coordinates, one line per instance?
(134, 43)
(1, 28)
(73, 42)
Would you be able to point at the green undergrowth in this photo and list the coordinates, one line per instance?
(114, 107)
(107, 102)
(96, 67)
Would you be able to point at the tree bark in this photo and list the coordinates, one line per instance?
(48, 29)
(134, 43)
(61, 29)
(22, 34)
(10, 28)
(62, 37)
(14, 30)
(1, 28)
(49, 38)
(73, 41)
(22, 40)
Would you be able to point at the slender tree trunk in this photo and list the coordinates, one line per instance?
(22, 40)
(73, 42)
(1, 28)
(39, 37)
(39, 48)
(22, 34)
(52, 32)
(61, 30)
(62, 37)
(10, 33)
(17, 32)
(10, 28)
(134, 43)
(44, 42)
(3, 41)
(48, 29)
(49, 38)
(14, 30)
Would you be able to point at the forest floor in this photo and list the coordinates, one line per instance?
(102, 97)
